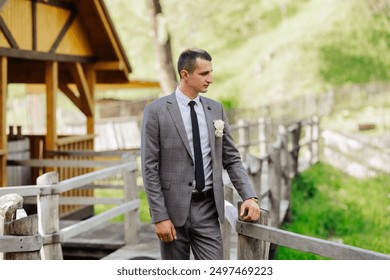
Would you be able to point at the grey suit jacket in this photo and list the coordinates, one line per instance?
(168, 166)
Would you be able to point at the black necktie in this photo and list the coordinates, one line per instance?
(199, 173)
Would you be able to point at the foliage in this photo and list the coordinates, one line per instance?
(330, 205)
(263, 51)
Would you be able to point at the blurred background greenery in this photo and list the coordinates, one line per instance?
(266, 51)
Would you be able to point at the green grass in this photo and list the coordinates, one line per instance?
(143, 210)
(330, 205)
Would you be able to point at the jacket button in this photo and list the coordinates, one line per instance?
(192, 163)
(190, 184)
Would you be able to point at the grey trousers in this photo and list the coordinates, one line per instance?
(200, 234)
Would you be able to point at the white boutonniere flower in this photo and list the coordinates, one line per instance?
(219, 125)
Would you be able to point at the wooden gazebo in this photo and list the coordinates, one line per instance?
(68, 46)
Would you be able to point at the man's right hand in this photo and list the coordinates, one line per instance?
(165, 231)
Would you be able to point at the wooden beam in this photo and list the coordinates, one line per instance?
(133, 84)
(109, 65)
(3, 120)
(35, 55)
(71, 95)
(80, 79)
(51, 78)
(34, 24)
(91, 81)
(7, 34)
(64, 29)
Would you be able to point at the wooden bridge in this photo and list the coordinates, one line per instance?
(46, 236)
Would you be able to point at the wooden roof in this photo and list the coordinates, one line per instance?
(67, 31)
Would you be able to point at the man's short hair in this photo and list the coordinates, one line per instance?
(187, 59)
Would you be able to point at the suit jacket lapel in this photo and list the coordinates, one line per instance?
(209, 114)
(174, 111)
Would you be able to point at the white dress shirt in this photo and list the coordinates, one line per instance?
(185, 111)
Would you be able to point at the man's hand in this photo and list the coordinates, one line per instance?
(165, 231)
(250, 211)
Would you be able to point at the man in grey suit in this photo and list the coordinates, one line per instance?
(186, 143)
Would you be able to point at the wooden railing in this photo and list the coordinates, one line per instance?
(48, 190)
(277, 161)
(254, 240)
(279, 165)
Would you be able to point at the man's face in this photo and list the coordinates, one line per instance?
(200, 79)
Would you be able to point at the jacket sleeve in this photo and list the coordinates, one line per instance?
(150, 162)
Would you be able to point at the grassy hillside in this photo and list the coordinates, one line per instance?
(330, 205)
(264, 52)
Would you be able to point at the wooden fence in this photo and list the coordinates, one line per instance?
(280, 164)
(355, 155)
(47, 193)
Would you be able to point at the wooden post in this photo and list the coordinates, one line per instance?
(309, 140)
(51, 79)
(48, 217)
(274, 182)
(23, 226)
(3, 120)
(285, 164)
(226, 228)
(262, 137)
(316, 138)
(243, 138)
(296, 136)
(8, 205)
(254, 167)
(131, 222)
(91, 81)
(249, 248)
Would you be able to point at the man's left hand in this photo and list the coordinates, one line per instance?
(250, 211)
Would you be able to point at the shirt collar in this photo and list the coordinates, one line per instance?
(183, 99)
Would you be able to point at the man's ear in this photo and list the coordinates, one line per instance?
(184, 74)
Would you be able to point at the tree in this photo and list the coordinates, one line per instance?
(162, 43)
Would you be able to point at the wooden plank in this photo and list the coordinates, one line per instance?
(308, 244)
(3, 119)
(73, 139)
(91, 177)
(32, 190)
(10, 243)
(92, 153)
(23, 226)
(62, 163)
(82, 226)
(81, 200)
